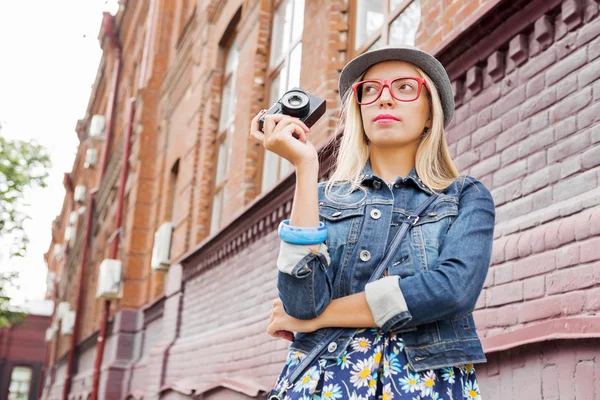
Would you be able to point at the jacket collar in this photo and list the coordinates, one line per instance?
(367, 175)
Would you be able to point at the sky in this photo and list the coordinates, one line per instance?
(49, 56)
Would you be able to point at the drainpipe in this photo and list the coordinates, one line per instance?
(108, 22)
(114, 246)
(78, 305)
(68, 184)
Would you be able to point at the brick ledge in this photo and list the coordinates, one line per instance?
(557, 329)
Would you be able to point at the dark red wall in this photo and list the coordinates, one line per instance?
(23, 345)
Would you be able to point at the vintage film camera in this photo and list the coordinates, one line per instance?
(297, 103)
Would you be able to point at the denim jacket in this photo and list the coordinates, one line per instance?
(431, 288)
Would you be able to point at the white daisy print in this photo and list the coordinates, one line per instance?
(344, 361)
(427, 382)
(468, 369)
(308, 381)
(372, 385)
(333, 391)
(410, 383)
(391, 365)
(361, 344)
(294, 357)
(361, 374)
(328, 375)
(377, 356)
(471, 391)
(448, 375)
(388, 393)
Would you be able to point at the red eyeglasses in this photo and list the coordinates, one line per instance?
(406, 88)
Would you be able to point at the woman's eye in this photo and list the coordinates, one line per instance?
(406, 86)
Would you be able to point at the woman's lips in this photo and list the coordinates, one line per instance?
(386, 121)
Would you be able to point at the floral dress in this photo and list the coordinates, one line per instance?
(375, 367)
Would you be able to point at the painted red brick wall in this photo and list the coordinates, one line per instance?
(526, 125)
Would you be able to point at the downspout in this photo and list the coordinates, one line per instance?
(68, 184)
(108, 22)
(114, 246)
(78, 305)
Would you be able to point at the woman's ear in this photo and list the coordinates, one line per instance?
(429, 122)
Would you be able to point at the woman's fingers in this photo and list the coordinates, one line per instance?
(255, 131)
(287, 335)
(277, 118)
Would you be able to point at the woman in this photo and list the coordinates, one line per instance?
(416, 336)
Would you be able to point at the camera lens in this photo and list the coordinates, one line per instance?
(295, 103)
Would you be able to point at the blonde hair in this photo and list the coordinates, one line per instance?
(433, 163)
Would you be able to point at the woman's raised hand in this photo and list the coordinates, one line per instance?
(278, 137)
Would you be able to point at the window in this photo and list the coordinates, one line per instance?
(226, 130)
(20, 383)
(173, 190)
(385, 22)
(284, 73)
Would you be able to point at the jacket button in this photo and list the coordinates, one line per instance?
(377, 184)
(365, 255)
(335, 214)
(375, 213)
(332, 347)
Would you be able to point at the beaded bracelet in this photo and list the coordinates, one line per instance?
(302, 235)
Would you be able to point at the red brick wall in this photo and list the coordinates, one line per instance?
(440, 19)
(532, 138)
(549, 371)
(526, 125)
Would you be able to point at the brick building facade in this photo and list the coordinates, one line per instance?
(178, 84)
(22, 357)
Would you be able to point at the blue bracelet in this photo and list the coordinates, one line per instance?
(301, 235)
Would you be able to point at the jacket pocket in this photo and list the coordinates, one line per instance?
(343, 223)
(464, 327)
(435, 222)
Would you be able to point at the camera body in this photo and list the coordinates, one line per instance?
(297, 103)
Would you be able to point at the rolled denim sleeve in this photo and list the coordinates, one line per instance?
(452, 286)
(304, 281)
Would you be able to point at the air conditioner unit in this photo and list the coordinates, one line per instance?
(97, 126)
(58, 251)
(69, 234)
(73, 217)
(49, 334)
(79, 194)
(68, 322)
(50, 278)
(109, 280)
(161, 252)
(91, 157)
(62, 309)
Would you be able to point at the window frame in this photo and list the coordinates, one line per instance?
(273, 70)
(222, 135)
(382, 33)
(31, 378)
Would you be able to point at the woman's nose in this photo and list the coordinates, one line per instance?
(386, 96)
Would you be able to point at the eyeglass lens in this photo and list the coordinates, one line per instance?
(404, 89)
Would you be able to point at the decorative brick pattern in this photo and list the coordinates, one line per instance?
(527, 124)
